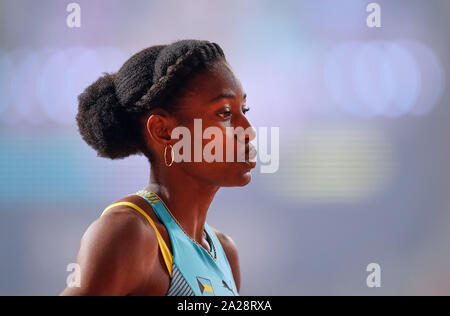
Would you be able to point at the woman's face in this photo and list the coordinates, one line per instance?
(216, 97)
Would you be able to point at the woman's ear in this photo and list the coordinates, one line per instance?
(158, 127)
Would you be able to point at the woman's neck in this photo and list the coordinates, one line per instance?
(186, 198)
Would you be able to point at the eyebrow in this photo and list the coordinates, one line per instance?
(226, 96)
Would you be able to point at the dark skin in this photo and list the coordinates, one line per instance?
(119, 253)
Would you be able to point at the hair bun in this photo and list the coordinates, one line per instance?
(102, 121)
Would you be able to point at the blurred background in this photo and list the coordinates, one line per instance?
(364, 121)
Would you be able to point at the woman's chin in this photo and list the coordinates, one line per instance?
(243, 178)
(246, 178)
(245, 174)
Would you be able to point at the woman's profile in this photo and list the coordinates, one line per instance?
(156, 241)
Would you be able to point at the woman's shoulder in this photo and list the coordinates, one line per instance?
(122, 225)
(123, 219)
(225, 240)
(115, 242)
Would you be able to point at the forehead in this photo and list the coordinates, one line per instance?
(210, 83)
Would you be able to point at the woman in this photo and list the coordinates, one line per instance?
(157, 241)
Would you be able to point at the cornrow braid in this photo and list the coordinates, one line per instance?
(111, 108)
(194, 59)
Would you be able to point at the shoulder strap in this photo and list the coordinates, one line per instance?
(167, 255)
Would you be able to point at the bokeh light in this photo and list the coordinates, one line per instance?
(383, 78)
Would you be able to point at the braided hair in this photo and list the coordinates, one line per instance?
(110, 109)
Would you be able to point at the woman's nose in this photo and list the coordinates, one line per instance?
(247, 133)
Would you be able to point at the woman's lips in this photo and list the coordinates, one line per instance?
(251, 164)
(251, 152)
(248, 156)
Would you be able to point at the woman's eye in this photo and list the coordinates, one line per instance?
(225, 114)
(245, 110)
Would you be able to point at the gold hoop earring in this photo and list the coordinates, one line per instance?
(171, 155)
